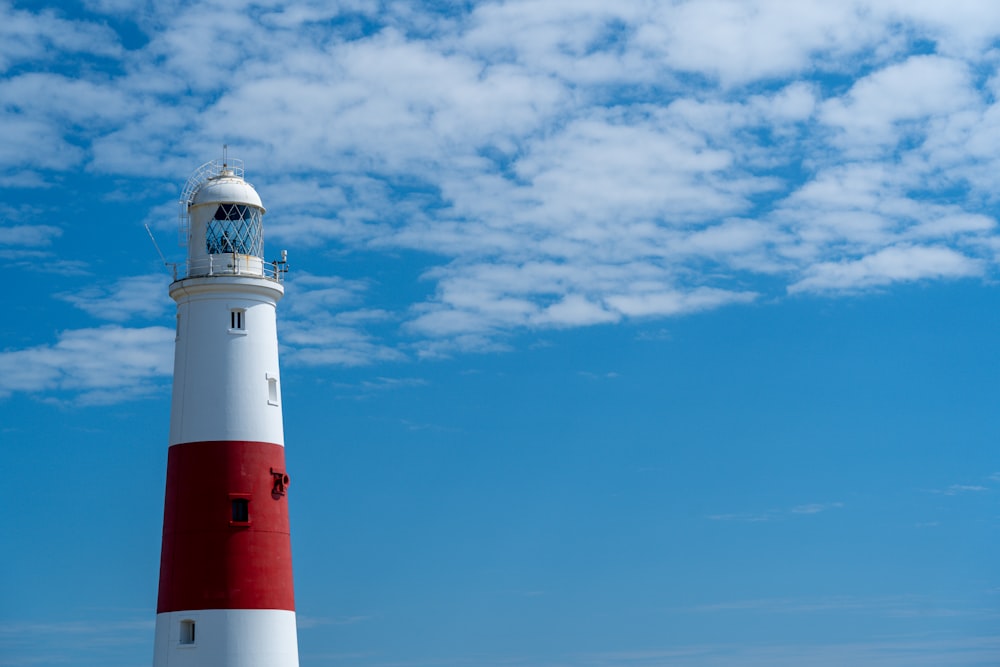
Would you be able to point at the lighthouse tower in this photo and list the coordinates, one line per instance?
(225, 597)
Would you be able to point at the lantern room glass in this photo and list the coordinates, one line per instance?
(235, 228)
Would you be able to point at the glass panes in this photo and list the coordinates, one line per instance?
(187, 632)
(241, 510)
(235, 228)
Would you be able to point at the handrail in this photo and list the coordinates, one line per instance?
(234, 264)
(210, 169)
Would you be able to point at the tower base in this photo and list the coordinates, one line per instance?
(226, 638)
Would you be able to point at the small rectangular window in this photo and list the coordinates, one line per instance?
(187, 632)
(241, 510)
(236, 317)
(272, 390)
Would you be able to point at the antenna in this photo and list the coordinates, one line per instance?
(172, 267)
(225, 155)
(280, 266)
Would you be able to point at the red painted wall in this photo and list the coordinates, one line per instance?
(207, 562)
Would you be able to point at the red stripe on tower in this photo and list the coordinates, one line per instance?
(226, 597)
(226, 543)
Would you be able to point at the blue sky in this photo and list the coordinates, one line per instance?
(642, 334)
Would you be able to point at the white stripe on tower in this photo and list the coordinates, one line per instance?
(226, 597)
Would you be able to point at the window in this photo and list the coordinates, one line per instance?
(272, 390)
(187, 632)
(237, 317)
(241, 510)
(235, 228)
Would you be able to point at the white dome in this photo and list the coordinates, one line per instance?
(227, 188)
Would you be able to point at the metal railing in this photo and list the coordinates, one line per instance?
(210, 169)
(234, 264)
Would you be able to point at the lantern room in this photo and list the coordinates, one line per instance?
(221, 222)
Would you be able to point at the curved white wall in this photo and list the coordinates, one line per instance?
(225, 379)
(227, 638)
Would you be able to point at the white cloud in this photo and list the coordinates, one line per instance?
(815, 508)
(964, 28)
(306, 293)
(957, 489)
(328, 344)
(42, 36)
(321, 328)
(796, 102)
(664, 301)
(574, 310)
(950, 222)
(607, 169)
(894, 264)
(777, 514)
(73, 101)
(739, 42)
(31, 236)
(916, 90)
(119, 8)
(102, 365)
(556, 164)
(133, 296)
(35, 143)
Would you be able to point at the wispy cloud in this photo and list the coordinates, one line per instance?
(22, 628)
(815, 508)
(895, 606)
(387, 383)
(609, 375)
(883, 651)
(889, 265)
(367, 388)
(128, 298)
(28, 36)
(31, 236)
(918, 651)
(554, 166)
(67, 642)
(102, 365)
(312, 622)
(321, 324)
(958, 489)
(777, 514)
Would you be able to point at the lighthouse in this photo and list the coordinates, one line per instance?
(225, 594)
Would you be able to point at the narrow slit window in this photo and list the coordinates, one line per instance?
(237, 319)
(187, 631)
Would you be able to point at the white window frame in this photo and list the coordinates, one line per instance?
(188, 635)
(238, 321)
(273, 390)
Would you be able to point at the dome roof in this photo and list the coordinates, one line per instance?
(226, 187)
